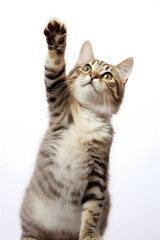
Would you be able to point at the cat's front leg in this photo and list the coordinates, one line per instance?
(55, 74)
(90, 216)
(92, 203)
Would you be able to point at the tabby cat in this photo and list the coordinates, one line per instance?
(67, 197)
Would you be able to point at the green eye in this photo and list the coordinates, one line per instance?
(107, 76)
(86, 68)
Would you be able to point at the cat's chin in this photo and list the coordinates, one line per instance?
(91, 90)
(91, 87)
(91, 98)
(89, 94)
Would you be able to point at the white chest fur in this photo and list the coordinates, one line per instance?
(72, 152)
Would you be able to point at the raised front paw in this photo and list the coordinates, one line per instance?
(55, 33)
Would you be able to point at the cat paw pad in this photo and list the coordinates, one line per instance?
(55, 33)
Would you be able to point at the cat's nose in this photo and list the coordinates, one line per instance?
(92, 75)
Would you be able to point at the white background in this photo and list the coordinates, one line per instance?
(117, 30)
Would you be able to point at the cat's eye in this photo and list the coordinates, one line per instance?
(107, 76)
(87, 68)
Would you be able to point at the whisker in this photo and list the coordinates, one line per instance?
(66, 91)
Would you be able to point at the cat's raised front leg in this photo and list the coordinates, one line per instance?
(55, 74)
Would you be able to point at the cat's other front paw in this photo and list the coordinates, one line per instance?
(55, 33)
(91, 237)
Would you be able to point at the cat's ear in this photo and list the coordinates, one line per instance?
(86, 53)
(125, 68)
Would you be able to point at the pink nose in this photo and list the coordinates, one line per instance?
(93, 76)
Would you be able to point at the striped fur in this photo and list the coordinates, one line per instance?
(67, 197)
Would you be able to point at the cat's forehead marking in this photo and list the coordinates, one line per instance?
(100, 65)
(98, 62)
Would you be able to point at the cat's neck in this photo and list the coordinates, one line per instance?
(86, 116)
(101, 113)
(90, 125)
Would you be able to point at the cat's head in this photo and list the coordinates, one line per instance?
(98, 85)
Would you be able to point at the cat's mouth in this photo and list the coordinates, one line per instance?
(90, 83)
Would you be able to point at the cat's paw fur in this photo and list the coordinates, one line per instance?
(91, 237)
(55, 33)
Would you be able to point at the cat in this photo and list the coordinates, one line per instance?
(67, 197)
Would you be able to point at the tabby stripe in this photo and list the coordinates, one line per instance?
(117, 87)
(42, 188)
(95, 157)
(61, 92)
(113, 94)
(44, 154)
(70, 118)
(94, 173)
(59, 128)
(91, 197)
(97, 143)
(54, 192)
(28, 225)
(96, 184)
(46, 189)
(93, 62)
(91, 225)
(96, 214)
(49, 47)
(90, 231)
(102, 165)
(55, 181)
(55, 85)
(51, 99)
(107, 68)
(49, 177)
(61, 98)
(51, 189)
(34, 187)
(52, 76)
(56, 114)
(95, 220)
